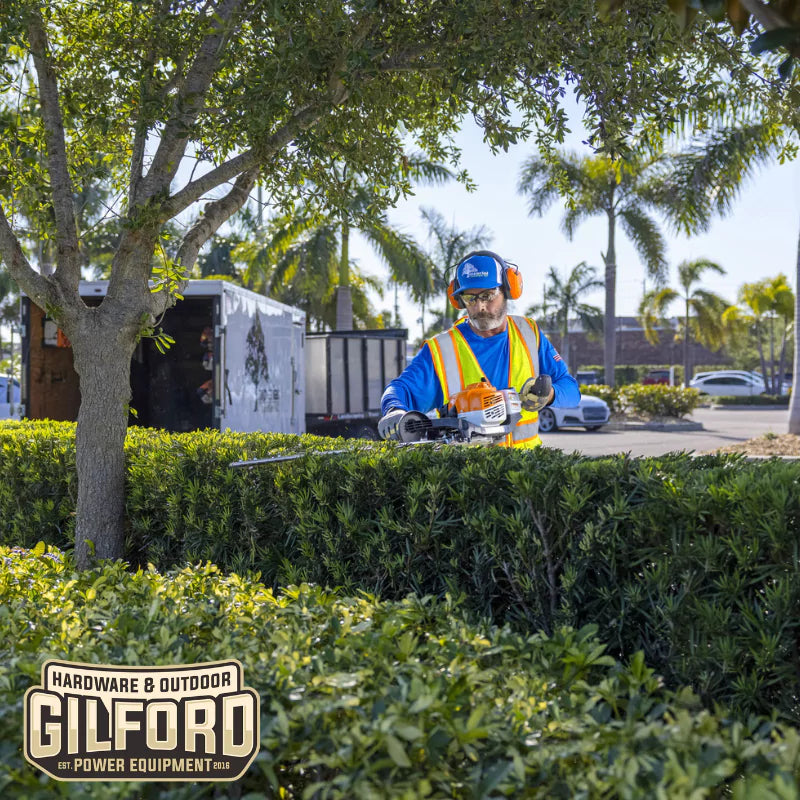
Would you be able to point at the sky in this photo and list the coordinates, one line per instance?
(758, 239)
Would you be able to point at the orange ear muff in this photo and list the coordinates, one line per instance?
(513, 281)
(454, 301)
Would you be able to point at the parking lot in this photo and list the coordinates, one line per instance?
(721, 427)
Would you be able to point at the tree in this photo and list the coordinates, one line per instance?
(764, 305)
(449, 244)
(296, 259)
(599, 185)
(277, 93)
(701, 311)
(562, 299)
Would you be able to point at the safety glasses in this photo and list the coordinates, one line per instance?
(483, 297)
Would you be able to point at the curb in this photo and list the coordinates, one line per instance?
(668, 427)
(723, 407)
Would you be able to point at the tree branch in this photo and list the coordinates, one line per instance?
(68, 270)
(215, 214)
(188, 104)
(227, 171)
(36, 286)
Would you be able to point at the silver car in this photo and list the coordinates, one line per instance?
(591, 413)
(728, 383)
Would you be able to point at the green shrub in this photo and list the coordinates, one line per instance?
(652, 400)
(692, 560)
(362, 698)
(658, 400)
(756, 400)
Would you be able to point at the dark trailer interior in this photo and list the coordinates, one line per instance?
(171, 390)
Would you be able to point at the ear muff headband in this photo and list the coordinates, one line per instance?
(510, 281)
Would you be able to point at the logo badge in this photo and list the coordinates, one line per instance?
(471, 271)
(94, 722)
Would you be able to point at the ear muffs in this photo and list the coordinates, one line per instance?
(510, 281)
(454, 301)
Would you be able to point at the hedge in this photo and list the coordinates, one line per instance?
(692, 560)
(755, 400)
(368, 699)
(654, 400)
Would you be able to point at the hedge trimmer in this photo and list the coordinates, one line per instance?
(480, 414)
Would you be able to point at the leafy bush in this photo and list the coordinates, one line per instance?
(604, 393)
(658, 400)
(692, 560)
(655, 400)
(362, 698)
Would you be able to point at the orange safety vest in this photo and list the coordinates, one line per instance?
(456, 367)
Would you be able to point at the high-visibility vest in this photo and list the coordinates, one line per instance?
(456, 367)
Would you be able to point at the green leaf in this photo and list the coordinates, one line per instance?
(396, 751)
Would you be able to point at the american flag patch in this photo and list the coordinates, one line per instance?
(557, 357)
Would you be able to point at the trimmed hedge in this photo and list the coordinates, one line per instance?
(692, 560)
(367, 699)
(654, 400)
(756, 400)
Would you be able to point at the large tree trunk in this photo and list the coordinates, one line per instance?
(610, 322)
(103, 346)
(794, 404)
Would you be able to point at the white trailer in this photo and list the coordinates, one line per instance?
(238, 363)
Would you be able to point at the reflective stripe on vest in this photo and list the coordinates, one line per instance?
(456, 367)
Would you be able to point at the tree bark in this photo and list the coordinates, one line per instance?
(344, 296)
(103, 347)
(794, 404)
(610, 332)
(687, 367)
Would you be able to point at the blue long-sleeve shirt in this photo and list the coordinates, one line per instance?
(418, 388)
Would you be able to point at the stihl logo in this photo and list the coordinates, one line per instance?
(96, 722)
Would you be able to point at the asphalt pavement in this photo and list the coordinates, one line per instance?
(721, 427)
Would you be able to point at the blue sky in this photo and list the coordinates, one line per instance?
(758, 239)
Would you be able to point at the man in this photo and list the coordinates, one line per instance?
(486, 343)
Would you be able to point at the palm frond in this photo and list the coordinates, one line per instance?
(646, 238)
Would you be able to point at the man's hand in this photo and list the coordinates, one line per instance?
(536, 394)
(403, 426)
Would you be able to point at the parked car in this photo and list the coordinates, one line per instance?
(736, 383)
(591, 413)
(656, 376)
(588, 377)
(9, 398)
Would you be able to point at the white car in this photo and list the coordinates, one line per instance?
(591, 413)
(9, 398)
(728, 382)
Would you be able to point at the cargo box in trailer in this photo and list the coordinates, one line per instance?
(346, 373)
(237, 363)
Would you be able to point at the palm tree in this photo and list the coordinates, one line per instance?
(763, 304)
(620, 190)
(716, 168)
(296, 259)
(562, 299)
(449, 244)
(702, 311)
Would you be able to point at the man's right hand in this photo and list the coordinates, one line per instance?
(403, 426)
